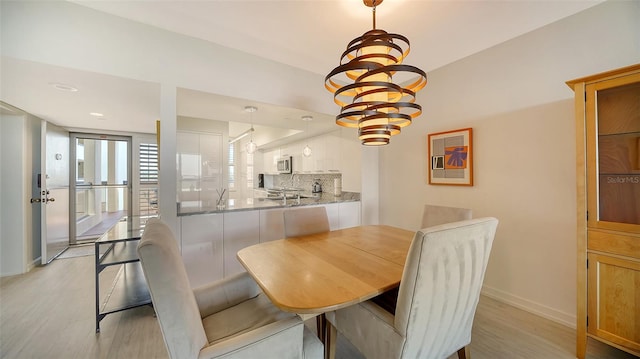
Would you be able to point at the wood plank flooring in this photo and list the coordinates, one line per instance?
(50, 313)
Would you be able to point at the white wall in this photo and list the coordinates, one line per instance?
(515, 98)
(59, 33)
(15, 190)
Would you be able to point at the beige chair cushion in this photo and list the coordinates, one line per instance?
(241, 318)
(437, 300)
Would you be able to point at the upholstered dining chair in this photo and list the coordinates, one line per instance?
(433, 215)
(301, 221)
(439, 293)
(231, 318)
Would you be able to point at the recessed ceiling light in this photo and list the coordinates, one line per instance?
(63, 87)
(96, 114)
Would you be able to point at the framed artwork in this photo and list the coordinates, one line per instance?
(450, 157)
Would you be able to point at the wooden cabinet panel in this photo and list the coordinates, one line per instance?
(607, 109)
(619, 109)
(614, 243)
(614, 300)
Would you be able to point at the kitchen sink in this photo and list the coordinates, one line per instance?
(289, 196)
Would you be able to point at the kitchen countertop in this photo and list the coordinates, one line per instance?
(248, 204)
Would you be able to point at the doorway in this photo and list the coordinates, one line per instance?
(100, 183)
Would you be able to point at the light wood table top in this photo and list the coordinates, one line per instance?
(323, 272)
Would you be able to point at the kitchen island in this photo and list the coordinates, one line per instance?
(253, 203)
(210, 236)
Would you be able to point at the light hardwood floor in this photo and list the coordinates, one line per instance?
(50, 313)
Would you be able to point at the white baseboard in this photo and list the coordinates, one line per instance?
(532, 307)
(30, 266)
(36, 262)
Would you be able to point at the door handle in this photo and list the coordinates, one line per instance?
(35, 200)
(51, 200)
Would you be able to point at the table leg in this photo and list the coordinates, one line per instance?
(321, 323)
(331, 339)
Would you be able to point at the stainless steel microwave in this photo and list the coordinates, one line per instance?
(285, 164)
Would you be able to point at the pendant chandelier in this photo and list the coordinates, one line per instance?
(364, 88)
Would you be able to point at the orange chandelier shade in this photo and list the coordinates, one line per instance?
(364, 88)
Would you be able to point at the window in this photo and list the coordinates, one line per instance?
(148, 163)
(250, 170)
(148, 193)
(231, 164)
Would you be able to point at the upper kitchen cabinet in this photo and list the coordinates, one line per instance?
(326, 155)
(608, 192)
(200, 160)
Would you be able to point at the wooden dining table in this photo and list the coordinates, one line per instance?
(314, 274)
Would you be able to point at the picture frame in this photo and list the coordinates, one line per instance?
(450, 157)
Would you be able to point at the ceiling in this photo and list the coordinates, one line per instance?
(291, 32)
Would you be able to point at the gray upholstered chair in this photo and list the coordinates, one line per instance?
(434, 215)
(231, 318)
(439, 293)
(301, 221)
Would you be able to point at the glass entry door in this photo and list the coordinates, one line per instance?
(100, 182)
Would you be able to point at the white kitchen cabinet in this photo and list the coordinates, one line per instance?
(319, 154)
(349, 214)
(333, 153)
(241, 229)
(340, 215)
(202, 244)
(200, 169)
(271, 224)
(333, 213)
(210, 242)
(270, 161)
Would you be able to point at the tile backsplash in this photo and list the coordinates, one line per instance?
(305, 181)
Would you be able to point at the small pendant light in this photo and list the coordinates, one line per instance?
(306, 151)
(251, 146)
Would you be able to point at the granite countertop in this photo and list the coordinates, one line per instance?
(248, 204)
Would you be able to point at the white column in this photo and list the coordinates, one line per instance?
(167, 150)
(370, 196)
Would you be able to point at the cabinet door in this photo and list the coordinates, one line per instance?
(349, 214)
(241, 229)
(614, 300)
(333, 214)
(271, 225)
(613, 154)
(199, 159)
(333, 153)
(201, 238)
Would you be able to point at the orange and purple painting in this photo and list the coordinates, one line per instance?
(455, 157)
(451, 157)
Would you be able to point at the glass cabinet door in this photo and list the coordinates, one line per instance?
(614, 154)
